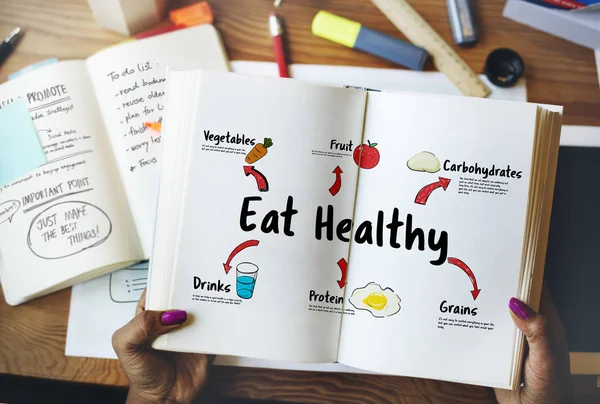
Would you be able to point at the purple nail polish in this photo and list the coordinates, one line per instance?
(522, 310)
(173, 317)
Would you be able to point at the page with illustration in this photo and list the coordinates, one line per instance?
(270, 170)
(130, 84)
(438, 237)
(70, 216)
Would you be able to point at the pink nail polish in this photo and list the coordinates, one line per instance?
(173, 317)
(522, 310)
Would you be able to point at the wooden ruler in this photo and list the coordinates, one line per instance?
(419, 32)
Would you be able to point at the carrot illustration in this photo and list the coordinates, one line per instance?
(259, 151)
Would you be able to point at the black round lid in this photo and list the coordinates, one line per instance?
(504, 67)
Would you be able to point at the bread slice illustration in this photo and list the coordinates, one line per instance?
(424, 161)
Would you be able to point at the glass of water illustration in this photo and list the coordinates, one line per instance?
(246, 273)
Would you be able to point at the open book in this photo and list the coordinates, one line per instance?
(90, 209)
(280, 247)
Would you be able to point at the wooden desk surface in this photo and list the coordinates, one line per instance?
(32, 336)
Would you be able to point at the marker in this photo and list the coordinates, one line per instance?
(353, 35)
(462, 20)
(155, 126)
(9, 43)
(277, 34)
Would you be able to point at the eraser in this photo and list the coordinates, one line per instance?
(196, 14)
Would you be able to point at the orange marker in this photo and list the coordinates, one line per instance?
(156, 126)
(196, 14)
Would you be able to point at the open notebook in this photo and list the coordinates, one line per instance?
(280, 247)
(90, 209)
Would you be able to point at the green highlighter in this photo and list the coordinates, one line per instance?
(353, 35)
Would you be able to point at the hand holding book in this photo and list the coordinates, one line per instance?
(546, 377)
(154, 376)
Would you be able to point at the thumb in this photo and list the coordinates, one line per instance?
(145, 327)
(535, 328)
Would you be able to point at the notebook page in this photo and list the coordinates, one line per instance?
(130, 83)
(269, 159)
(70, 216)
(430, 277)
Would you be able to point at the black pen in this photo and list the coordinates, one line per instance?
(9, 43)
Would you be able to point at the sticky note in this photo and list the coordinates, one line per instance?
(21, 150)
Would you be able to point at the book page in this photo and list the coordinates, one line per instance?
(269, 192)
(130, 82)
(438, 238)
(70, 216)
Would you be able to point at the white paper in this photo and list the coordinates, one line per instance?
(580, 136)
(100, 307)
(383, 79)
(378, 79)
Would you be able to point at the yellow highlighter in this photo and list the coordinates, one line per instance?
(353, 35)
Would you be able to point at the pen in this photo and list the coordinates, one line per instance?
(462, 20)
(277, 34)
(9, 43)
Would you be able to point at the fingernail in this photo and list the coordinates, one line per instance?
(173, 317)
(522, 310)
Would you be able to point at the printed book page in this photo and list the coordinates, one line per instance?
(94, 339)
(269, 159)
(130, 81)
(69, 216)
(438, 237)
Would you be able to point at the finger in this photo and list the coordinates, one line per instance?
(535, 328)
(145, 328)
(141, 306)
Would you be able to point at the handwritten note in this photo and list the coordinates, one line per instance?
(139, 94)
(70, 215)
(130, 82)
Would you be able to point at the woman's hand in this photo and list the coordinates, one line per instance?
(158, 376)
(547, 378)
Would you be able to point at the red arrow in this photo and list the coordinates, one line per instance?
(337, 185)
(424, 193)
(467, 270)
(344, 268)
(261, 180)
(237, 250)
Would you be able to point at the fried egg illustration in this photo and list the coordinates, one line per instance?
(379, 302)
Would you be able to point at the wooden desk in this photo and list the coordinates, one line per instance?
(32, 336)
